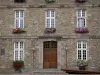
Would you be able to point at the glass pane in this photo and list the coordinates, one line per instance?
(84, 45)
(17, 23)
(79, 44)
(48, 23)
(16, 55)
(21, 45)
(16, 44)
(84, 54)
(21, 55)
(81, 22)
(48, 13)
(21, 23)
(17, 14)
(21, 14)
(52, 23)
(79, 54)
(79, 13)
(52, 13)
(83, 13)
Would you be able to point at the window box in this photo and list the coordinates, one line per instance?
(18, 65)
(18, 30)
(81, 30)
(19, 1)
(82, 64)
(50, 1)
(81, 1)
(50, 30)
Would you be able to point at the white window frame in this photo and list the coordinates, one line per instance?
(82, 49)
(19, 50)
(50, 13)
(81, 12)
(19, 18)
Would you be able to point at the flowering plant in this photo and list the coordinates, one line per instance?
(18, 64)
(18, 30)
(82, 63)
(80, 1)
(81, 30)
(50, 30)
(50, 1)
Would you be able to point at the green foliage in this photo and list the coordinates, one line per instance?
(82, 63)
(18, 63)
(50, 1)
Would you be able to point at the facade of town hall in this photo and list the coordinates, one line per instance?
(49, 34)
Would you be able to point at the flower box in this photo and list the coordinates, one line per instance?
(50, 1)
(81, 30)
(18, 65)
(81, 1)
(18, 30)
(82, 64)
(50, 30)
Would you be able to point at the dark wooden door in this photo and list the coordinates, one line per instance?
(50, 54)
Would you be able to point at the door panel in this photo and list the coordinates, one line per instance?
(50, 55)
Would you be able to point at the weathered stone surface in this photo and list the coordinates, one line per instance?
(35, 26)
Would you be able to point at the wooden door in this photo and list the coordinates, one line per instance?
(50, 54)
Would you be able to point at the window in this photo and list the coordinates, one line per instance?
(50, 19)
(18, 51)
(19, 19)
(81, 18)
(82, 50)
(19, 1)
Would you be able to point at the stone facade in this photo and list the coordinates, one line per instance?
(35, 26)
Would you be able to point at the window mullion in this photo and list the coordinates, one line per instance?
(77, 50)
(50, 18)
(18, 50)
(86, 51)
(14, 51)
(54, 19)
(81, 50)
(19, 18)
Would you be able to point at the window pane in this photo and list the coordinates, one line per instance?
(21, 14)
(79, 44)
(21, 45)
(21, 55)
(84, 54)
(16, 55)
(52, 23)
(79, 13)
(48, 13)
(52, 13)
(79, 54)
(84, 45)
(21, 23)
(17, 23)
(16, 44)
(48, 22)
(81, 22)
(17, 14)
(83, 13)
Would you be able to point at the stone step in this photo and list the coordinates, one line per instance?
(48, 72)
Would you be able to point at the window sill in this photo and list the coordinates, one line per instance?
(81, 30)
